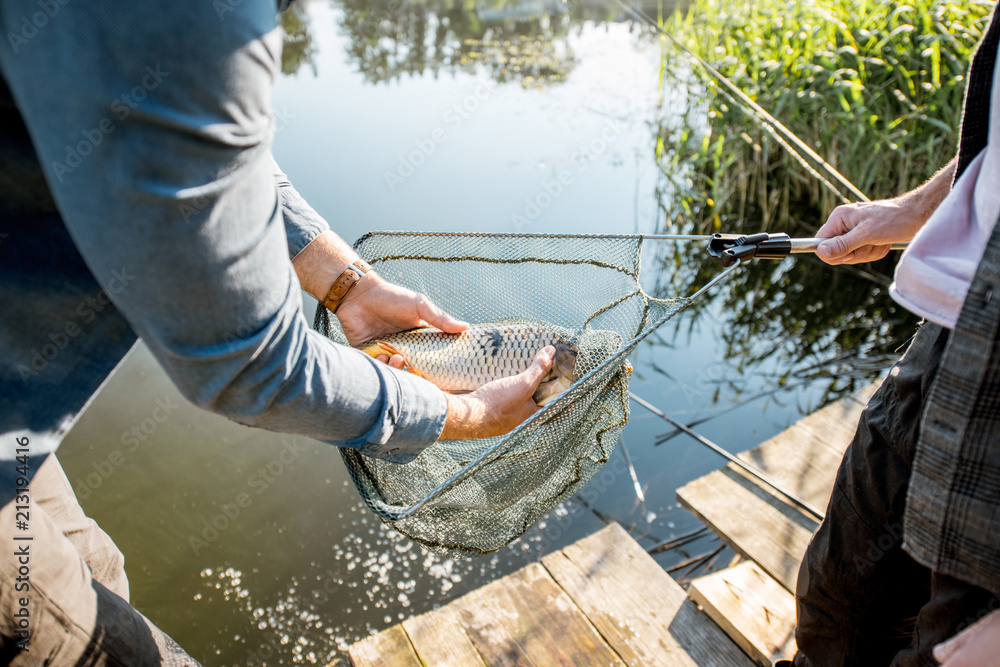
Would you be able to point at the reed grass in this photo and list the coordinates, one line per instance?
(876, 88)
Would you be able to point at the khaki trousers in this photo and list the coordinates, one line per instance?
(63, 592)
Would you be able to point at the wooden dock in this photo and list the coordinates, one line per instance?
(605, 601)
(753, 601)
(601, 601)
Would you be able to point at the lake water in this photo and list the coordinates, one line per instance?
(416, 118)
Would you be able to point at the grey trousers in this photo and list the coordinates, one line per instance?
(63, 593)
(861, 599)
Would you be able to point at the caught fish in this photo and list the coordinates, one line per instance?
(461, 363)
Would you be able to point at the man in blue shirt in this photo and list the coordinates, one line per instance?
(140, 198)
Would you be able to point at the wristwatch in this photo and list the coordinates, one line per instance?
(344, 283)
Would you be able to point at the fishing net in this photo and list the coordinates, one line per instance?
(471, 497)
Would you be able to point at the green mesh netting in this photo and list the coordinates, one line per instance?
(471, 497)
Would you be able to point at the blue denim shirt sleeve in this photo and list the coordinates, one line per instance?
(302, 223)
(160, 164)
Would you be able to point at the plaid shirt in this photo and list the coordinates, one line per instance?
(952, 522)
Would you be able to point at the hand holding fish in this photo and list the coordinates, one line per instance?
(494, 375)
(491, 366)
(498, 406)
(377, 307)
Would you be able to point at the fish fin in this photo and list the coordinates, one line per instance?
(460, 392)
(418, 373)
(391, 349)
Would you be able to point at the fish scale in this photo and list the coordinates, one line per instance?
(483, 353)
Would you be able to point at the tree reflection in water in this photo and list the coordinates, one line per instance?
(523, 41)
(797, 319)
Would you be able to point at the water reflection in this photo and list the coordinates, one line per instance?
(307, 569)
(798, 317)
(297, 47)
(513, 41)
(524, 41)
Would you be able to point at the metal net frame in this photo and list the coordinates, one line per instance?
(470, 497)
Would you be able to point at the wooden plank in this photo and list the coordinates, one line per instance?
(835, 423)
(492, 639)
(389, 648)
(759, 523)
(800, 463)
(752, 520)
(525, 618)
(642, 613)
(439, 640)
(862, 395)
(752, 608)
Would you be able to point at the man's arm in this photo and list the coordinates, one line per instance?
(181, 196)
(863, 232)
(302, 223)
(376, 306)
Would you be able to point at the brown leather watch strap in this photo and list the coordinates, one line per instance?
(344, 283)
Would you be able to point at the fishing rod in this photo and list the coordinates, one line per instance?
(732, 459)
(763, 116)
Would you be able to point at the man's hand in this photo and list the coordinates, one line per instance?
(976, 646)
(496, 408)
(376, 307)
(864, 232)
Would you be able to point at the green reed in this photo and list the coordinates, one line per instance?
(876, 88)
